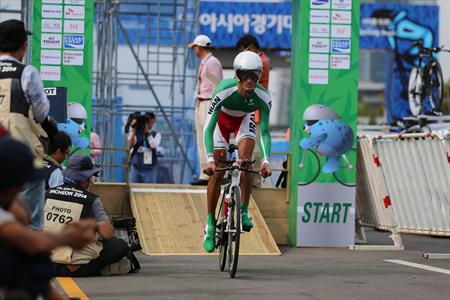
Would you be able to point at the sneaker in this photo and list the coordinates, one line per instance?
(209, 242)
(247, 223)
(121, 267)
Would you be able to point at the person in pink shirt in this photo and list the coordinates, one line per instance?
(95, 143)
(209, 75)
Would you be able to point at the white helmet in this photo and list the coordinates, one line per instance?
(319, 112)
(248, 61)
(76, 111)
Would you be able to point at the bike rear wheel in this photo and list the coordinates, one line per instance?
(345, 175)
(235, 231)
(415, 91)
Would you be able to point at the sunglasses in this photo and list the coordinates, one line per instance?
(244, 74)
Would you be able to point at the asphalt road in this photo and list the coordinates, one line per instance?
(300, 273)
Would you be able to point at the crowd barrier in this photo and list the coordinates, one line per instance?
(403, 183)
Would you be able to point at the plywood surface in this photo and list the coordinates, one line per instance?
(171, 220)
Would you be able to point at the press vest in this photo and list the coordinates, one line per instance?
(15, 111)
(65, 204)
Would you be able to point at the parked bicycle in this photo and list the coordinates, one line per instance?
(229, 215)
(426, 81)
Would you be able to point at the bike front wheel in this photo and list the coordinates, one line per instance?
(234, 233)
(309, 167)
(436, 85)
(415, 91)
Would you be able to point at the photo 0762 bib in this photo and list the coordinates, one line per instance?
(57, 215)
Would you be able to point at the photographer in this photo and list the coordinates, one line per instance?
(143, 142)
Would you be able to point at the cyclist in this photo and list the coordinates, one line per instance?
(232, 108)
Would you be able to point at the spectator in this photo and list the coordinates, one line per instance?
(59, 150)
(26, 269)
(250, 43)
(95, 143)
(73, 201)
(209, 75)
(144, 143)
(25, 102)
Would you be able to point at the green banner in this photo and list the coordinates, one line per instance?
(325, 45)
(62, 51)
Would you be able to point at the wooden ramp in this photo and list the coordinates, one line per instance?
(171, 219)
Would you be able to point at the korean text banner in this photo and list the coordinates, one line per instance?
(226, 22)
(62, 51)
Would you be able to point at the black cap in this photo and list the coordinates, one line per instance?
(12, 35)
(18, 164)
(80, 167)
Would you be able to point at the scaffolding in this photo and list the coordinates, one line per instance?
(140, 52)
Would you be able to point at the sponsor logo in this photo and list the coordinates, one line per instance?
(340, 61)
(74, 12)
(318, 76)
(51, 73)
(342, 4)
(73, 26)
(319, 45)
(73, 41)
(52, 1)
(319, 30)
(74, 58)
(50, 91)
(51, 11)
(213, 104)
(320, 2)
(50, 57)
(77, 2)
(319, 16)
(51, 40)
(341, 45)
(51, 25)
(341, 31)
(318, 61)
(341, 17)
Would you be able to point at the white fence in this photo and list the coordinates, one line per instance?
(403, 183)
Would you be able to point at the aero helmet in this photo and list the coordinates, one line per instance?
(319, 112)
(248, 61)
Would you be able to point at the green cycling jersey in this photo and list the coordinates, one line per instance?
(227, 99)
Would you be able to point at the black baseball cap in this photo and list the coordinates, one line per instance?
(80, 167)
(12, 35)
(17, 164)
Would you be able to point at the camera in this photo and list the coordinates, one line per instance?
(126, 230)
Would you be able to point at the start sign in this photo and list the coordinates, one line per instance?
(326, 215)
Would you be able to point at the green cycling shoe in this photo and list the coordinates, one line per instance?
(247, 223)
(209, 241)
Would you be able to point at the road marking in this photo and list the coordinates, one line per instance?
(419, 266)
(71, 288)
(178, 191)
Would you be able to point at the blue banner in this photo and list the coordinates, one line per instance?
(226, 22)
(395, 27)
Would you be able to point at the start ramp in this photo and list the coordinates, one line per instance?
(170, 220)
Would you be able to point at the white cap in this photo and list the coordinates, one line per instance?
(201, 40)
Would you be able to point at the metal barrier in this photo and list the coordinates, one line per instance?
(415, 169)
(403, 184)
(373, 205)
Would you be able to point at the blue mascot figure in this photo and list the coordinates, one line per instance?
(329, 136)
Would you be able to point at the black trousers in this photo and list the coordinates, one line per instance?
(113, 250)
(19, 270)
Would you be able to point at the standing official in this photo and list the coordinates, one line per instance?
(22, 103)
(209, 75)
